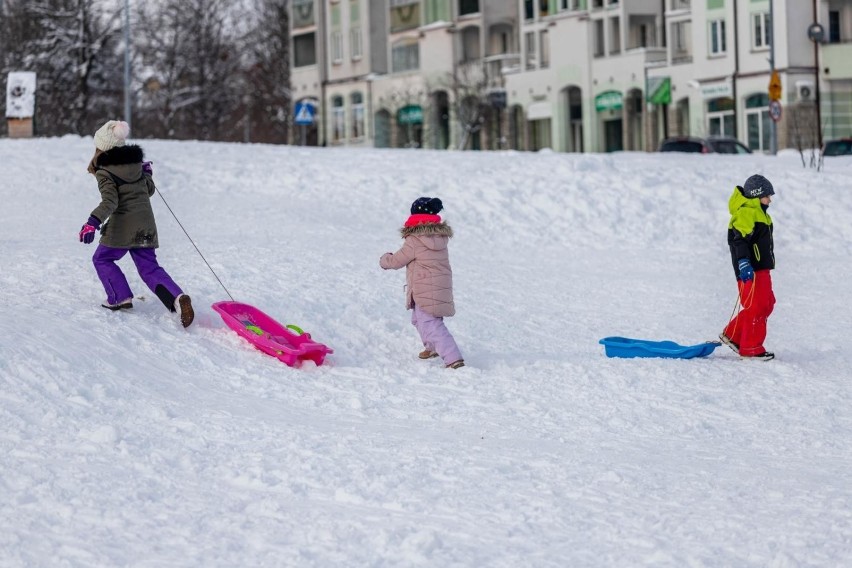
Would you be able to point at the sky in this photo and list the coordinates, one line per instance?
(127, 440)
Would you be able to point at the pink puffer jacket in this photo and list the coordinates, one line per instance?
(428, 275)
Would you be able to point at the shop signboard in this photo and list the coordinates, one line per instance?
(608, 100)
(411, 114)
(659, 90)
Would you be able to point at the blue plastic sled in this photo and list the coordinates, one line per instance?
(628, 348)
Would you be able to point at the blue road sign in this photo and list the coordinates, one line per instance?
(304, 113)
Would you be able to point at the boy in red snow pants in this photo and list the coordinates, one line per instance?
(753, 257)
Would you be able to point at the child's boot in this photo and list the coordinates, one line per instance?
(122, 305)
(183, 305)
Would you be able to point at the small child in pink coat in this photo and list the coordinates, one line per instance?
(429, 278)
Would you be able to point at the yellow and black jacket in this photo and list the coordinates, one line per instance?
(750, 232)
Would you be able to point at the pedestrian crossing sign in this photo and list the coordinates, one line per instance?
(304, 113)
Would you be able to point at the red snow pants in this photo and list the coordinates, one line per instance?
(748, 328)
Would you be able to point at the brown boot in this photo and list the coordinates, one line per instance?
(184, 306)
(427, 354)
(456, 365)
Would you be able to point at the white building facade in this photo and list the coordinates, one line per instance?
(571, 75)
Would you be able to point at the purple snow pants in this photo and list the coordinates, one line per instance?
(435, 335)
(145, 259)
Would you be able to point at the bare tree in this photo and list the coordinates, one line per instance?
(190, 70)
(468, 85)
(72, 46)
(267, 97)
(804, 132)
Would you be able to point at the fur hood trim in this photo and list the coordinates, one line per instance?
(440, 229)
(121, 155)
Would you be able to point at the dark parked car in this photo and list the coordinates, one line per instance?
(840, 147)
(717, 145)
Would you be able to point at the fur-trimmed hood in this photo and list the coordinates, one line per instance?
(438, 229)
(121, 155)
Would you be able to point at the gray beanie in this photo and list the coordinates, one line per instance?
(757, 186)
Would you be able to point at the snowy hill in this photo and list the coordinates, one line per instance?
(129, 441)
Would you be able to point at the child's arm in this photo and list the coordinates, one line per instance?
(398, 259)
(743, 234)
(109, 197)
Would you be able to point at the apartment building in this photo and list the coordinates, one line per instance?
(834, 53)
(718, 67)
(402, 73)
(572, 75)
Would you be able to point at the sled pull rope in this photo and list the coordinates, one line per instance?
(193, 244)
(749, 299)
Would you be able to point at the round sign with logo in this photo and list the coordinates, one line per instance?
(775, 110)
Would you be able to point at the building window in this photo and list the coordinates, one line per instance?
(599, 39)
(338, 119)
(681, 37)
(543, 8)
(720, 117)
(529, 12)
(355, 41)
(405, 56)
(405, 15)
(530, 49)
(438, 11)
(717, 37)
(468, 7)
(545, 49)
(570, 5)
(758, 122)
(762, 30)
(615, 37)
(303, 13)
(304, 50)
(833, 26)
(470, 43)
(336, 47)
(357, 115)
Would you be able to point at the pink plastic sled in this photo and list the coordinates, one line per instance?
(270, 336)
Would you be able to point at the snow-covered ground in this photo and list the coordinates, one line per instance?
(129, 441)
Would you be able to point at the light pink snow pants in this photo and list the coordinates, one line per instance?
(435, 335)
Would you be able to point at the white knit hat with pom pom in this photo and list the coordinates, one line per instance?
(112, 134)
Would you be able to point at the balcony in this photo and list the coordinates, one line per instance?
(488, 72)
(496, 66)
(679, 5)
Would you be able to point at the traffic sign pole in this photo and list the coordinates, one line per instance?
(773, 128)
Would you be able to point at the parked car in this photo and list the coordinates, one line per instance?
(713, 144)
(839, 147)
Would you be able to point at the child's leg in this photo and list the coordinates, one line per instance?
(115, 284)
(753, 322)
(434, 332)
(415, 321)
(155, 276)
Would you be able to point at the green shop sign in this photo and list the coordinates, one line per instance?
(659, 90)
(609, 100)
(411, 114)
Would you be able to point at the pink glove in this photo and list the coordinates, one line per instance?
(87, 233)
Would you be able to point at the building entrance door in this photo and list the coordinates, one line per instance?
(614, 135)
